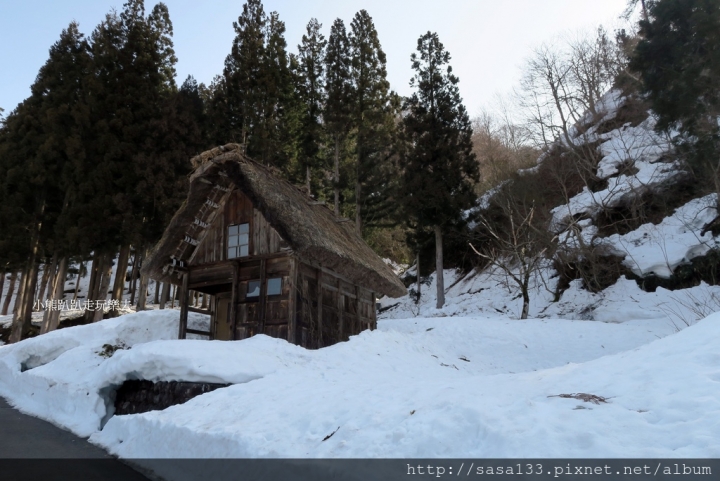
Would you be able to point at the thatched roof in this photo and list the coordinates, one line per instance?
(312, 230)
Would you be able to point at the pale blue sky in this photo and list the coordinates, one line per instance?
(488, 39)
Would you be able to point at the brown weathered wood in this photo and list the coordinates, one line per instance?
(320, 341)
(165, 295)
(357, 309)
(341, 311)
(292, 299)
(374, 313)
(198, 332)
(263, 297)
(184, 292)
(199, 311)
(234, 301)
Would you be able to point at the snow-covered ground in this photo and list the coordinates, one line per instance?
(418, 387)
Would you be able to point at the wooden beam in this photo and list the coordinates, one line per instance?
(184, 291)
(357, 308)
(263, 298)
(319, 309)
(234, 300)
(374, 312)
(292, 298)
(200, 333)
(340, 309)
(199, 311)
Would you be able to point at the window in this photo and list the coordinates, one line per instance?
(253, 289)
(238, 241)
(274, 286)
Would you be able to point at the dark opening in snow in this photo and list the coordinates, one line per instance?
(139, 396)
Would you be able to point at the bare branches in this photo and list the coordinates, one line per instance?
(517, 247)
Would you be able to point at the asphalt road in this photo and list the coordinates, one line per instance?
(33, 449)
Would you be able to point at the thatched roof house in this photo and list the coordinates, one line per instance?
(241, 225)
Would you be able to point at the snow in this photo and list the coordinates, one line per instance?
(660, 249)
(419, 387)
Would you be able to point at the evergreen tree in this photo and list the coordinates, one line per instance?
(312, 96)
(257, 85)
(338, 98)
(439, 167)
(39, 140)
(679, 62)
(372, 119)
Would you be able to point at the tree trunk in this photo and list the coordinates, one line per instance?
(20, 294)
(120, 274)
(8, 298)
(47, 278)
(358, 219)
(77, 281)
(204, 305)
(307, 180)
(133, 276)
(2, 284)
(174, 296)
(337, 175)
(50, 323)
(526, 303)
(104, 284)
(95, 270)
(439, 268)
(142, 293)
(23, 316)
(156, 297)
(165, 294)
(417, 281)
(51, 294)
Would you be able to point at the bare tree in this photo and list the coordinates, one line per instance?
(564, 81)
(518, 248)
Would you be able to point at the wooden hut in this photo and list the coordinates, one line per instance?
(274, 260)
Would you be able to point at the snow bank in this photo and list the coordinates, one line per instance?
(404, 392)
(60, 376)
(422, 387)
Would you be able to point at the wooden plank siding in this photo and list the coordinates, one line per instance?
(330, 309)
(238, 209)
(315, 308)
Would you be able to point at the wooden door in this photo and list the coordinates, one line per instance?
(223, 323)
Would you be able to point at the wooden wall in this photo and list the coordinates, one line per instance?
(330, 309)
(237, 210)
(266, 314)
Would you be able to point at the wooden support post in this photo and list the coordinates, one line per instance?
(165, 294)
(234, 300)
(183, 306)
(374, 313)
(291, 305)
(263, 297)
(358, 319)
(340, 309)
(320, 342)
(174, 296)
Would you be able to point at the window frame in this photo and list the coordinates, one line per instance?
(233, 235)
